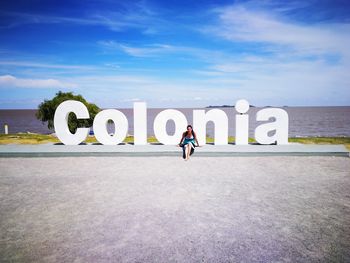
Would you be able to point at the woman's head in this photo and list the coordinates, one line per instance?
(189, 129)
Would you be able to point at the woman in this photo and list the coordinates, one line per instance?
(188, 142)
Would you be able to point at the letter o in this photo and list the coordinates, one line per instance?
(100, 127)
(160, 122)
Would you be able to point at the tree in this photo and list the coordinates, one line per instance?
(46, 111)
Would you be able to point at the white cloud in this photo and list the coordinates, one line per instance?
(132, 100)
(155, 49)
(148, 51)
(133, 16)
(7, 81)
(45, 65)
(286, 63)
(122, 90)
(238, 23)
(158, 50)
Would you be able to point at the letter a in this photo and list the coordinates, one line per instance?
(280, 125)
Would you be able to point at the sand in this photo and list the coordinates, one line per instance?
(164, 209)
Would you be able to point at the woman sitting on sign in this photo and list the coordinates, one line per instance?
(188, 142)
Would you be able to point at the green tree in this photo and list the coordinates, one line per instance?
(46, 111)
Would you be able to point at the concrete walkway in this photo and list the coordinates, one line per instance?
(50, 150)
(165, 209)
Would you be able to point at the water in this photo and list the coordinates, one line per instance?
(303, 121)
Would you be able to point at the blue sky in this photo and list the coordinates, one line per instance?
(175, 53)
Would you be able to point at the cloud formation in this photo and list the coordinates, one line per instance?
(8, 81)
(237, 23)
(172, 54)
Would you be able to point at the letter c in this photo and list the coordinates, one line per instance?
(61, 122)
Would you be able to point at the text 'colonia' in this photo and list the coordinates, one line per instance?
(200, 118)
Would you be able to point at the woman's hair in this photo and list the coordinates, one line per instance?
(186, 132)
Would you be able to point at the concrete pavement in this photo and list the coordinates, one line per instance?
(165, 209)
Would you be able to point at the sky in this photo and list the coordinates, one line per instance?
(175, 53)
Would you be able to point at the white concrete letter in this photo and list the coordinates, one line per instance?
(100, 127)
(242, 122)
(140, 123)
(160, 122)
(61, 122)
(280, 126)
(219, 117)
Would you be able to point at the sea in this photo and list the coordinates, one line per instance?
(303, 121)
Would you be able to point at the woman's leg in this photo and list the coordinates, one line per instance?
(188, 150)
(192, 148)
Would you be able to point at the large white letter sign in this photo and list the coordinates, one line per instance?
(220, 120)
(140, 123)
(100, 126)
(265, 133)
(280, 125)
(242, 122)
(61, 122)
(160, 122)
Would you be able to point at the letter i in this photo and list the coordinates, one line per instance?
(242, 122)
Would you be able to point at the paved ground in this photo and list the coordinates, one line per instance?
(149, 209)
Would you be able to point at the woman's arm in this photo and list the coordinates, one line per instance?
(183, 135)
(195, 138)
